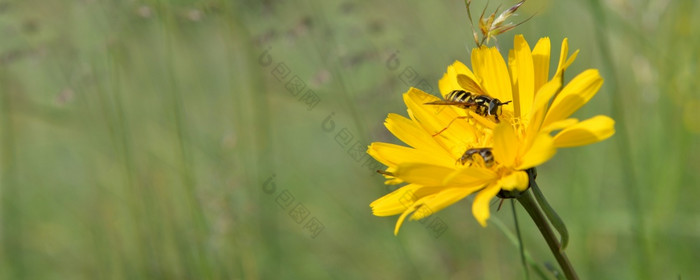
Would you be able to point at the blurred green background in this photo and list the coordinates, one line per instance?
(225, 140)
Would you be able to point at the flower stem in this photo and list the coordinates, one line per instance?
(528, 202)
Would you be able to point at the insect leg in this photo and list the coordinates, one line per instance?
(500, 204)
(449, 124)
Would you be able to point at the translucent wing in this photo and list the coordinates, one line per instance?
(447, 102)
(470, 85)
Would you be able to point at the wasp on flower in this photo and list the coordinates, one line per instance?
(482, 104)
(531, 128)
(485, 154)
(501, 152)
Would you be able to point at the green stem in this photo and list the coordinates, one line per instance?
(551, 215)
(528, 202)
(520, 240)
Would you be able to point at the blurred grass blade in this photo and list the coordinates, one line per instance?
(538, 268)
(520, 239)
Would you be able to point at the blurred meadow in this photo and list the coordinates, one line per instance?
(226, 140)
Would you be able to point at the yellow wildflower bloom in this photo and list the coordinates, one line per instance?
(431, 166)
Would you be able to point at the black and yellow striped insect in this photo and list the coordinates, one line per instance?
(483, 105)
(484, 153)
(471, 96)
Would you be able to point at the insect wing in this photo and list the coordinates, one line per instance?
(447, 102)
(470, 85)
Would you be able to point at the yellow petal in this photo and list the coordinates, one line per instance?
(422, 173)
(486, 122)
(395, 202)
(470, 176)
(564, 62)
(393, 181)
(523, 77)
(562, 56)
(540, 105)
(590, 131)
(505, 145)
(399, 222)
(435, 118)
(412, 208)
(449, 81)
(388, 174)
(546, 92)
(407, 131)
(542, 150)
(392, 155)
(480, 207)
(490, 66)
(559, 125)
(570, 60)
(384, 152)
(540, 61)
(413, 134)
(441, 200)
(415, 100)
(511, 61)
(516, 180)
(461, 68)
(574, 95)
(446, 85)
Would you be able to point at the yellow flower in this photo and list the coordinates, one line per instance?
(539, 105)
(433, 165)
